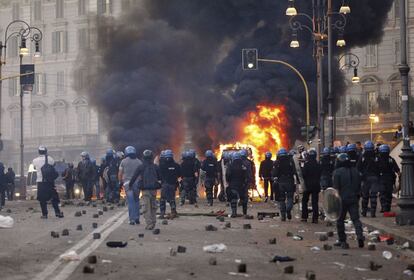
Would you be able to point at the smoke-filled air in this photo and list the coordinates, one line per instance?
(171, 66)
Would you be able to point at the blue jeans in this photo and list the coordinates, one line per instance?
(133, 204)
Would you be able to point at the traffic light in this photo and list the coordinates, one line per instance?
(250, 59)
(304, 131)
(308, 132)
(313, 130)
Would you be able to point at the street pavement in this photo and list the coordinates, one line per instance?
(28, 251)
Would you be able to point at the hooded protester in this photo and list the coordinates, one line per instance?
(148, 179)
(86, 175)
(265, 174)
(127, 167)
(312, 175)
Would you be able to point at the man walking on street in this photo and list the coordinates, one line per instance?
(86, 174)
(347, 181)
(210, 167)
(46, 176)
(3, 186)
(170, 173)
(312, 175)
(265, 174)
(127, 167)
(10, 177)
(148, 178)
(69, 178)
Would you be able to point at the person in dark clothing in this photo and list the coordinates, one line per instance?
(189, 174)
(368, 168)
(347, 181)
(210, 167)
(388, 171)
(102, 180)
(69, 178)
(170, 173)
(312, 175)
(265, 174)
(3, 186)
(327, 167)
(351, 150)
(86, 175)
(237, 176)
(110, 174)
(148, 178)
(284, 172)
(251, 173)
(10, 177)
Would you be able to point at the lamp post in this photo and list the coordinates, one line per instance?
(405, 215)
(320, 30)
(352, 63)
(33, 34)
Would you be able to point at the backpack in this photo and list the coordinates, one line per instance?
(49, 173)
(150, 178)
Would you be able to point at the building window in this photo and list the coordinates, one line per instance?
(38, 125)
(15, 11)
(60, 8)
(13, 88)
(12, 47)
(81, 79)
(371, 56)
(15, 125)
(37, 10)
(40, 84)
(372, 102)
(82, 7)
(60, 82)
(397, 51)
(60, 121)
(104, 7)
(397, 9)
(83, 120)
(59, 42)
(83, 38)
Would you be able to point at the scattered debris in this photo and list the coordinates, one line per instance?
(282, 259)
(116, 244)
(390, 214)
(215, 248)
(310, 275)
(373, 266)
(360, 268)
(272, 241)
(260, 217)
(100, 213)
(54, 234)
(78, 214)
(94, 225)
(111, 208)
(374, 233)
(297, 237)
(95, 216)
(212, 261)
(93, 204)
(411, 267)
(181, 249)
(69, 256)
(106, 261)
(341, 265)
(239, 274)
(323, 237)
(88, 269)
(221, 219)
(330, 233)
(247, 226)
(267, 214)
(315, 249)
(387, 255)
(65, 232)
(288, 269)
(249, 217)
(406, 245)
(289, 234)
(83, 212)
(164, 222)
(211, 228)
(327, 247)
(6, 222)
(92, 259)
(140, 235)
(96, 235)
(8, 211)
(79, 227)
(408, 272)
(156, 231)
(242, 268)
(329, 223)
(227, 225)
(173, 252)
(371, 246)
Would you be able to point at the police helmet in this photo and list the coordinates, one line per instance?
(109, 152)
(147, 154)
(42, 150)
(168, 154)
(268, 155)
(342, 149)
(192, 153)
(209, 154)
(312, 153)
(336, 150)
(130, 150)
(342, 157)
(244, 153)
(326, 151)
(384, 149)
(351, 148)
(84, 154)
(369, 146)
(236, 155)
(282, 152)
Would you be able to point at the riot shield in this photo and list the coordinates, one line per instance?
(332, 204)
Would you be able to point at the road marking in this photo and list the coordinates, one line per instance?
(109, 226)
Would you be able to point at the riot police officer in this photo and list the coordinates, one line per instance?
(170, 173)
(210, 167)
(284, 172)
(351, 150)
(327, 167)
(312, 175)
(189, 173)
(388, 169)
(369, 171)
(265, 173)
(251, 171)
(347, 181)
(236, 176)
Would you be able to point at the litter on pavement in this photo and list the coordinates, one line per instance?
(6, 222)
(387, 255)
(215, 248)
(69, 256)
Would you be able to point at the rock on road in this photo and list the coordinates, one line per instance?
(28, 251)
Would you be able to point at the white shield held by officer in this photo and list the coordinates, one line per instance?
(332, 204)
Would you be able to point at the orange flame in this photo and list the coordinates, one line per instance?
(261, 130)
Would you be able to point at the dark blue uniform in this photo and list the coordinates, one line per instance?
(265, 173)
(210, 167)
(189, 174)
(237, 177)
(388, 169)
(170, 171)
(369, 171)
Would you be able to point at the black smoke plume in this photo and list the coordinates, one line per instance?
(170, 62)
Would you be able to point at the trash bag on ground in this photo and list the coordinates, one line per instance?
(69, 256)
(215, 248)
(6, 222)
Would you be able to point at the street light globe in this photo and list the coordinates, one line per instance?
(24, 51)
(37, 54)
(291, 11)
(294, 44)
(345, 9)
(341, 43)
(355, 80)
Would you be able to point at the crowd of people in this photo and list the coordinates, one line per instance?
(356, 171)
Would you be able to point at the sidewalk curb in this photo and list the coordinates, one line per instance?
(399, 237)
